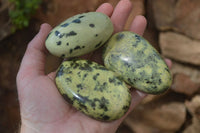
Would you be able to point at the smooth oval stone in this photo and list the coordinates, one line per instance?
(79, 35)
(133, 58)
(93, 89)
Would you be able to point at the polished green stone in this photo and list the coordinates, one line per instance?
(93, 89)
(133, 59)
(79, 35)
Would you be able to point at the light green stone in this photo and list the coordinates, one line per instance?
(93, 89)
(133, 59)
(79, 35)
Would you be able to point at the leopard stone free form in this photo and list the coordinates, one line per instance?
(93, 89)
(133, 59)
(79, 35)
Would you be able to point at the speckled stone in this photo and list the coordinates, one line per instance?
(93, 89)
(132, 58)
(79, 35)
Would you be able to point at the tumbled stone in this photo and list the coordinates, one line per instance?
(93, 89)
(134, 60)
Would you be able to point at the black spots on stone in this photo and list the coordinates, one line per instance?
(70, 51)
(137, 41)
(120, 36)
(68, 80)
(104, 83)
(151, 58)
(77, 47)
(74, 65)
(76, 21)
(86, 67)
(127, 64)
(84, 76)
(71, 33)
(92, 25)
(95, 76)
(81, 99)
(149, 82)
(153, 88)
(125, 107)
(140, 53)
(60, 71)
(157, 56)
(105, 117)
(101, 86)
(119, 83)
(67, 44)
(132, 81)
(79, 74)
(166, 69)
(64, 25)
(159, 82)
(96, 35)
(67, 99)
(114, 81)
(83, 107)
(58, 34)
(138, 38)
(133, 69)
(81, 16)
(153, 80)
(93, 105)
(62, 56)
(142, 73)
(116, 57)
(134, 44)
(80, 86)
(98, 45)
(89, 62)
(100, 67)
(58, 43)
(103, 103)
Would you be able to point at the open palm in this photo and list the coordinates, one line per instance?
(41, 105)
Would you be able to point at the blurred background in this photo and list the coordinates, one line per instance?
(173, 29)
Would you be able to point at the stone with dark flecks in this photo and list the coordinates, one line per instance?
(89, 31)
(58, 43)
(92, 25)
(76, 21)
(135, 61)
(77, 47)
(71, 33)
(119, 36)
(64, 25)
(94, 91)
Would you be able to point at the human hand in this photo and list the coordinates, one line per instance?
(42, 108)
